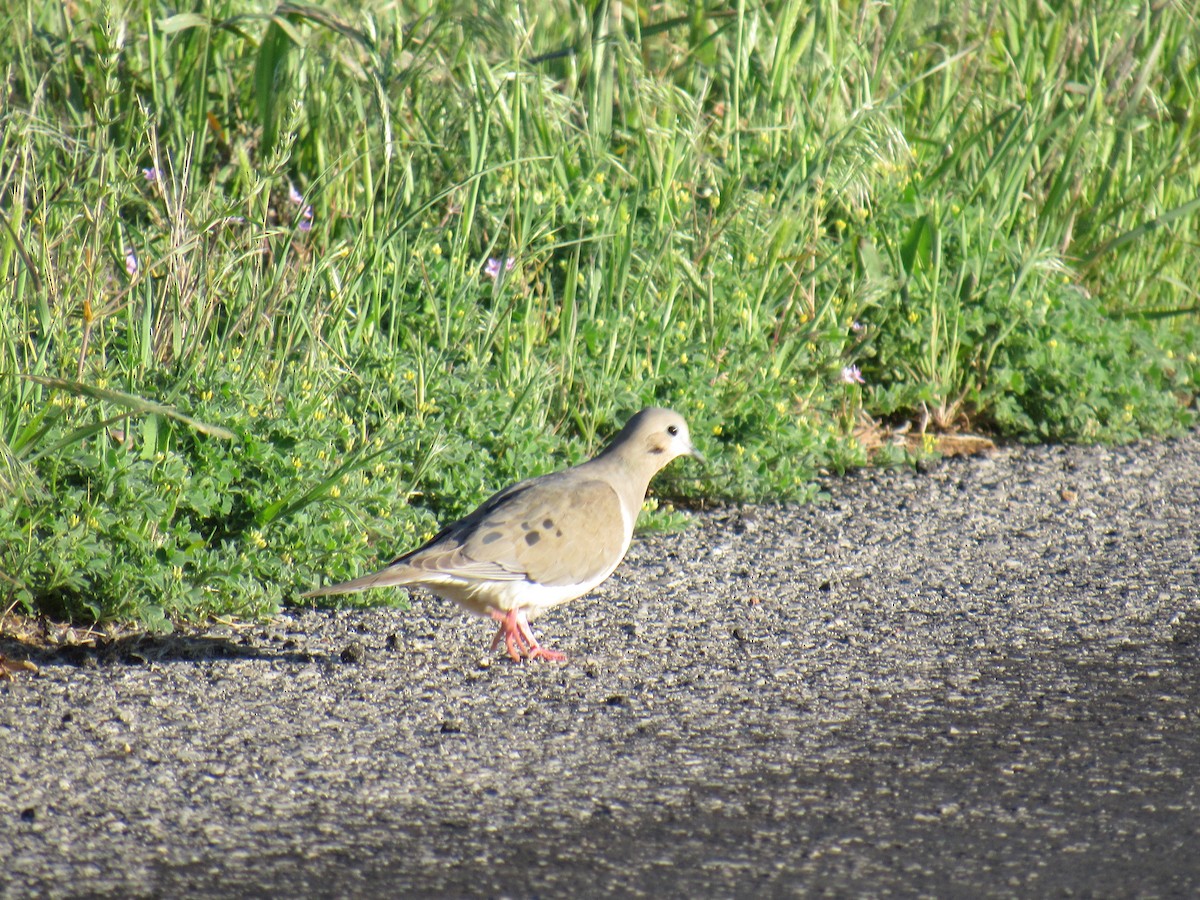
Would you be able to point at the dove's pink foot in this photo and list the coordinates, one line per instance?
(518, 638)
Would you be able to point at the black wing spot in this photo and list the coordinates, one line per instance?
(547, 524)
(532, 537)
(491, 537)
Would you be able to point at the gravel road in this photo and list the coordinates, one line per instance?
(982, 679)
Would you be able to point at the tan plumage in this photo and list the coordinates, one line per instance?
(543, 541)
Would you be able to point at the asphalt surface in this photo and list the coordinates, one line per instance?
(979, 680)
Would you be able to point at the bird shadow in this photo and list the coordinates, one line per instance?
(88, 649)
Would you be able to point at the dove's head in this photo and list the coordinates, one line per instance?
(652, 438)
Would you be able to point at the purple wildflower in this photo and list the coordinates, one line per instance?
(131, 261)
(306, 214)
(851, 375)
(493, 266)
(152, 175)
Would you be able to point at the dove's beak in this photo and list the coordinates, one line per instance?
(696, 454)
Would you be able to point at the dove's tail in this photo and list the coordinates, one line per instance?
(391, 576)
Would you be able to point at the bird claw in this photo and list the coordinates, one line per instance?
(514, 630)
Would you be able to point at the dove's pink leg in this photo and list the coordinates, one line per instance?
(518, 638)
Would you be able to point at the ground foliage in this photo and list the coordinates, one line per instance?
(283, 287)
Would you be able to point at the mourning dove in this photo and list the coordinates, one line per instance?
(543, 541)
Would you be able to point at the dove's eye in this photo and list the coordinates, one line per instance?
(672, 430)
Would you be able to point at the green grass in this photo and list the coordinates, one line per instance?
(280, 358)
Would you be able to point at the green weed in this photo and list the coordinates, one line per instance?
(282, 289)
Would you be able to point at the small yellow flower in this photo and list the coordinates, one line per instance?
(257, 541)
(683, 359)
(752, 258)
(1052, 343)
(718, 430)
(73, 519)
(913, 317)
(335, 492)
